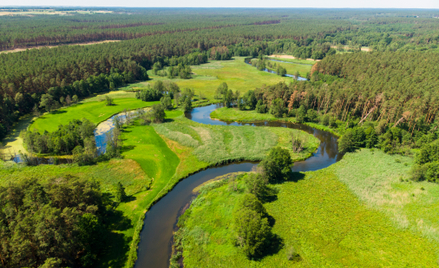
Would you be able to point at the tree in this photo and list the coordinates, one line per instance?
(301, 114)
(256, 184)
(47, 102)
(347, 142)
(166, 102)
(221, 90)
(261, 107)
(277, 108)
(157, 113)
(251, 228)
(228, 98)
(119, 194)
(109, 101)
(75, 99)
(277, 165)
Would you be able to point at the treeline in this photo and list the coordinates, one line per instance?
(61, 223)
(62, 141)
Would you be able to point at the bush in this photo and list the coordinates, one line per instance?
(261, 107)
(277, 108)
(251, 228)
(277, 165)
(256, 184)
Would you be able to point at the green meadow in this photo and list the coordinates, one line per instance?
(236, 73)
(216, 144)
(321, 217)
(95, 111)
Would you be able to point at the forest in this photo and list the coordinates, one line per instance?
(354, 89)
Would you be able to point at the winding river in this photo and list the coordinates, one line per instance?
(160, 221)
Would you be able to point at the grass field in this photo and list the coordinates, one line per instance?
(216, 144)
(382, 182)
(293, 68)
(236, 73)
(320, 217)
(96, 112)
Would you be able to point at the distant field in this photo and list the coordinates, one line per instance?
(321, 218)
(236, 73)
(75, 44)
(96, 112)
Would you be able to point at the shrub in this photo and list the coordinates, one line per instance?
(277, 165)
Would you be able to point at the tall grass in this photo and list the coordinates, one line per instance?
(382, 182)
(217, 144)
(318, 216)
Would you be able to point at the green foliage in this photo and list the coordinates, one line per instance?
(62, 141)
(250, 226)
(157, 113)
(301, 114)
(150, 94)
(346, 202)
(216, 144)
(59, 222)
(277, 165)
(109, 101)
(120, 194)
(257, 184)
(166, 102)
(261, 107)
(277, 108)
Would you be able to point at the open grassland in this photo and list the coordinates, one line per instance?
(317, 215)
(207, 77)
(96, 112)
(293, 68)
(236, 115)
(217, 144)
(382, 182)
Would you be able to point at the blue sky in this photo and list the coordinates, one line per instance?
(232, 3)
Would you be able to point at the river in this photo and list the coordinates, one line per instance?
(160, 221)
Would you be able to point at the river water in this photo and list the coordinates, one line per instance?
(156, 238)
(248, 61)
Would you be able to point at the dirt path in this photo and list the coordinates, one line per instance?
(346, 47)
(75, 44)
(288, 57)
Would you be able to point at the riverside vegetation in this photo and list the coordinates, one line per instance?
(363, 209)
(382, 198)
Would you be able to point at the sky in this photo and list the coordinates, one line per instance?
(231, 3)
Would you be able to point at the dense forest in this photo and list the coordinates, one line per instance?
(165, 37)
(57, 224)
(384, 99)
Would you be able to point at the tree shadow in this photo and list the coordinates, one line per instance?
(117, 244)
(59, 112)
(168, 120)
(129, 199)
(270, 195)
(272, 246)
(127, 148)
(297, 176)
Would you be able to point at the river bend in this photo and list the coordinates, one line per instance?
(156, 238)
